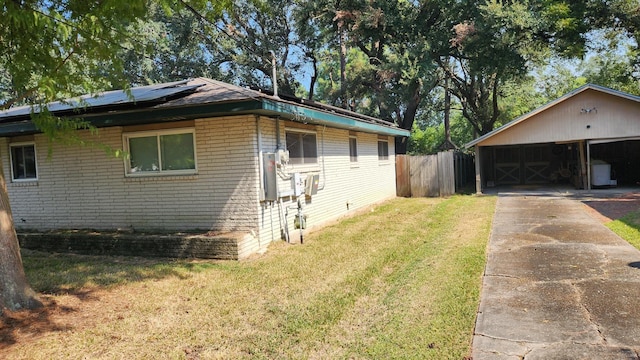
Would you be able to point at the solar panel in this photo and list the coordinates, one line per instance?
(115, 97)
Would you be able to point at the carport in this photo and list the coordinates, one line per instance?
(588, 138)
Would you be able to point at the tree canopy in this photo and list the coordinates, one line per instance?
(384, 58)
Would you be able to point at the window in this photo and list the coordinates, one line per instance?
(383, 149)
(23, 162)
(161, 152)
(302, 147)
(353, 148)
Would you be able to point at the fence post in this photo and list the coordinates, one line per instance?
(403, 176)
(446, 173)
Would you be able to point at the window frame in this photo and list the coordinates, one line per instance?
(301, 160)
(353, 150)
(384, 154)
(158, 133)
(35, 160)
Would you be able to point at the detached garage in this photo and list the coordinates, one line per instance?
(589, 138)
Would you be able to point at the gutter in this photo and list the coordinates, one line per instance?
(262, 106)
(312, 116)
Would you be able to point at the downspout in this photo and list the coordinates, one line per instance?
(282, 212)
(278, 140)
(260, 160)
(260, 171)
(324, 171)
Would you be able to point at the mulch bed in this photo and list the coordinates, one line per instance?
(614, 208)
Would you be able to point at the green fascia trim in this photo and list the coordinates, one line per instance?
(144, 116)
(251, 106)
(312, 116)
(25, 127)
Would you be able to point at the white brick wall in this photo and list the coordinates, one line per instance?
(361, 184)
(84, 188)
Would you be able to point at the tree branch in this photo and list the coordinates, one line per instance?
(9, 103)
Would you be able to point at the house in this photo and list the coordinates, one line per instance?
(224, 164)
(589, 138)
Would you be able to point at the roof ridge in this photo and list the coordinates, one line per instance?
(235, 88)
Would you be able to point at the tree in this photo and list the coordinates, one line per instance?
(175, 46)
(246, 37)
(492, 44)
(618, 17)
(424, 141)
(46, 51)
(53, 50)
(387, 70)
(479, 47)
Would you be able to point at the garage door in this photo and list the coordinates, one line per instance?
(507, 165)
(525, 164)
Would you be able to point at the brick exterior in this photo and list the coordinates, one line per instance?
(360, 184)
(85, 188)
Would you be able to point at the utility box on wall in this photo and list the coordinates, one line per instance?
(297, 183)
(270, 177)
(311, 184)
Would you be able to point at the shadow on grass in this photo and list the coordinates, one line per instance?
(59, 274)
(81, 276)
(632, 220)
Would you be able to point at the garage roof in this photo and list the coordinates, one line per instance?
(551, 104)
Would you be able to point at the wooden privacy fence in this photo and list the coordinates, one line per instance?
(442, 174)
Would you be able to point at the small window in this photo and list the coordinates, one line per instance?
(353, 149)
(161, 152)
(383, 149)
(302, 147)
(23, 162)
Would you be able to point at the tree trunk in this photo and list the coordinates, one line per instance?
(409, 116)
(343, 68)
(448, 143)
(314, 77)
(15, 292)
(401, 145)
(447, 112)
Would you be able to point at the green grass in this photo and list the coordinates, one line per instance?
(400, 281)
(628, 228)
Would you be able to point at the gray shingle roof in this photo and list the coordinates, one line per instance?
(109, 98)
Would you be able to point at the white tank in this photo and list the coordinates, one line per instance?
(601, 174)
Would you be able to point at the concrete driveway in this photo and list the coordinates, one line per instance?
(558, 284)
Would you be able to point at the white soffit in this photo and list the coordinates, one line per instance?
(604, 141)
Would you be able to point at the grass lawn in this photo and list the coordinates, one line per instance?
(399, 281)
(628, 228)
